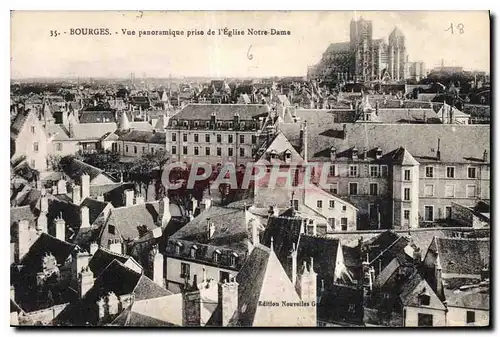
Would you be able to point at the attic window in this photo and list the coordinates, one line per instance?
(232, 259)
(174, 122)
(273, 154)
(196, 124)
(378, 153)
(424, 298)
(288, 155)
(355, 153)
(111, 229)
(216, 256)
(186, 123)
(193, 250)
(178, 247)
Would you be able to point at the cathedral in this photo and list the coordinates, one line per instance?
(363, 58)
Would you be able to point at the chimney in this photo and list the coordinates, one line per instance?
(71, 130)
(306, 285)
(124, 301)
(65, 117)
(438, 275)
(438, 152)
(85, 183)
(315, 228)
(157, 266)
(378, 153)
(194, 204)
(93, 248)
(139, 199)
(101, 309)
(60, 226)
(485, 156)
(85, 281)
(293, 257)
(100, 197)
(112, 302)
(304, 141)
(165, 212)
(333, 154)
(61, 187)
(255, 232)
(228, 300)
(41, 223)
(12, 293)
(236, 121)
(191, 304)
(344, 131)
(417, 255)
(24, 238)
(84, 216)
(129, 197)
(210, 229)
(115, 245)
(76, 195)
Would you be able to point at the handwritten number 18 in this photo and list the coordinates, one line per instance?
(458, 28)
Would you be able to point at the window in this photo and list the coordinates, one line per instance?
(424, 299)
(230, 139)
(296, 204)
(471, 317)
(196, 138)
(406, 194)
(343, 224)
(242, 152)
(351, 308)
(353, 188)
(192, 251)
(353, 171)
(184, 137)
(184, 270)
(232, 259)
(230, 152)
(471, 172)
(406, 214)
(174, 149)
(174, 137)
(470, 191)
(319, 204)
(344, 208)
(216, 256)
(207, 151)
(59, 146)
(384, 171)
(219, 138)
(152, 150)
(184, 150)
(428, 190)
(447, 210)
(332, 172)
(33, 163)
(450, 172)
(334, 188)
(32, 129)
(331, 222)
(126, 149)
(429, 172)
(254, 139)
(135, 149)
(373, 189)
(196, 151)
(35, 146)
(242, 139)
(219, 151)
(111, 229)
(449, 191)
(429, 213)
(424, 320)
(207, 138)
(143, 149)
(224, 276)
(331, 203)
(373, 171)
(196, 123)
(407, 175)
(207, 124)
(178, 248)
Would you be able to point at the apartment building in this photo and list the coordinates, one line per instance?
(216, 133)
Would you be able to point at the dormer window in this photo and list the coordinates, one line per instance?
(216, 256)
(288, 156)
(232, 259)
(273, 154)
(192, 251)
(333, 153)
(186, 123)
(424, 298)
(354, 153)
(178, 248)
(196, 124)
(378, 153)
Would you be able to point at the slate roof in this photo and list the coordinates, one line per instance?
(477, 297)
(144, 137)
(334, 303)
(339, 47)
(324, 254)
(97, 117)
(111, 192)
(18, 123)
(81, 132)
(386, 246)
(224, 112)
(126, 221)
(462, 256)
(22, 213)
(76, 168)
(392, 136)
(115, 277)
(46, 244)
(413, 287)
(285, 231)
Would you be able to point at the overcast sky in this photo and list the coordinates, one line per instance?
(35, 54)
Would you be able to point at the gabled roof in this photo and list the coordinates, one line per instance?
(97, 117)
(415, 286)
(138, 136)
(103, 257)
(324, 253)
(474, 297)
(462, 256)
(75, 168)
(285, 233)
(280, 146)
(339, 47)
(403, 157)
(43, 245)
